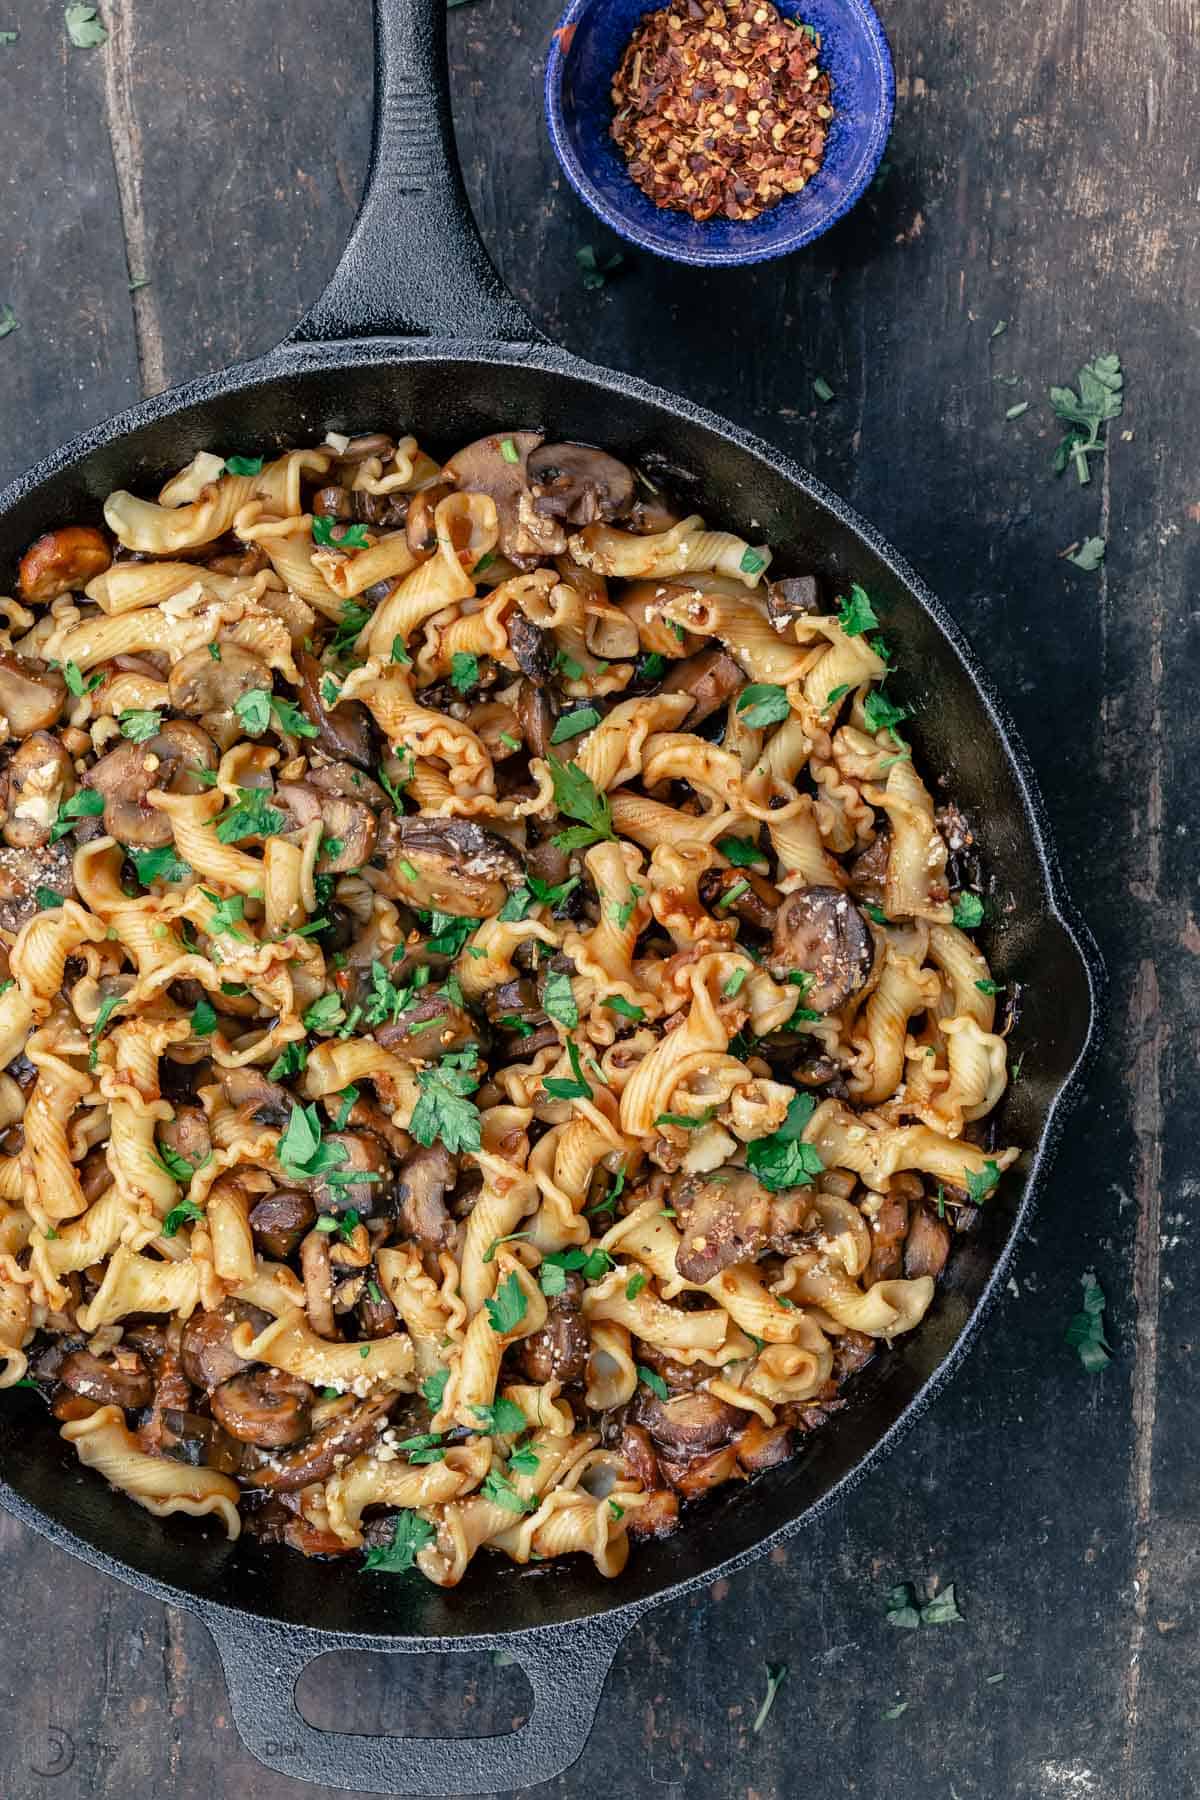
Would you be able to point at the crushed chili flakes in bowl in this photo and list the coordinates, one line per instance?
(721, 110)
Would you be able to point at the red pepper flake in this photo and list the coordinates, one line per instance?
(721, 108)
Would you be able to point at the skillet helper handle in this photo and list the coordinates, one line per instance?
(566, 1667)
(415, 265)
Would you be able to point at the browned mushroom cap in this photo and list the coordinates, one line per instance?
(250, 1093)
(347, 781)
(32, 696)
(761, 1447)
(821, 931)
(199, 684)
(191, 1438)
(40, 776)
(280, 1220)
(187, 1135)
(266, 1407)
(496, 466)
(688, 1424)
(345, 728)
(927, 1245)
(206, 1350)
(344, 1436)
(349, 831)
(795, 597)
(536, 717)
(532, 647)
(363, 1176)
(579, 484)
(721, 1222)
(451, 866)
(559, 1351)
(419, 527)
(125, 777)
(710, 677)
(120, 1380)
(754, 898)
(427, 1029)
(421, 1183)
(63, 561)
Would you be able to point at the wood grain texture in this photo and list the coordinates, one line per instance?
(1039, 173)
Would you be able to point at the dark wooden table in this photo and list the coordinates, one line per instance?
(1042, 172)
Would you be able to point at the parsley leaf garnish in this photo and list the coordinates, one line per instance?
(502, 1419)
(558, 999)
(108, 1007)
(410, 1533)
(783, 1160)
(508, 1307)
(980, 1186)
(741, 852)
(253, 816)
(573, 724)
(654, 1382)
(856, 614)
(243, 465)
(762, 703)
(158, 865)
(502, 1493)
(1099, 398)
(1085, 1333)
(576, 796)
(354, 617)
(204, 1019)
(968, 912)
(86, 803)
(464, 671)
(776, 1674)
(618, 1004)
(186, 1213)
(443, 1111)
(350, 537)
(300, 1152)
(433, 1389)
(560, 1088)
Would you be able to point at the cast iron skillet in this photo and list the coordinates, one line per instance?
(415, 330)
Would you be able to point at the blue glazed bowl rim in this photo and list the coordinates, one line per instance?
(714, 256)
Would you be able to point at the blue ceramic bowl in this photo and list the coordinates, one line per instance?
(584, 54)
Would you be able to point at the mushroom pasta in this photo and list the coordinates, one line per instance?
(491, 1032)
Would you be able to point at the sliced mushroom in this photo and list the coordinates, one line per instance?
(679, 1377)
(187, 1135)
(32, 696)
(40, 777)
(754, 899)
(517, 999)
(118, 1380)
(344, 1436)
(430, 1027)
(710, 677)
(349, 827)
(762, 1447)
(199, 683)
(887, 1227)
(536, 717)
(206, 1350)
(795, 597)
(657, 1518)
(637, 1453)
(579, 484)
(559, 1351)
(63, 562)
(721, 1222)
(420, 527)
(250, 1093)
(869, 870)
(127, 774)
(532, 647)
(451, 866)
(821, 931)
(688, 1424)
(266, 1407)
(422, 1181)
(280, 1220)
(345, 780)
(363, 1176)
(190, 1438)
(851, 1352)
(496, 466)
(318, 1284)
(345, 727)
(927, 1245)
(377, 1316)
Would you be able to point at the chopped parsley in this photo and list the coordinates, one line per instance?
(158, 865)
(634, 1285)
(433, 1389)
(443, 1111)
(618, 1004)
(558, 999)
(300, 1152)
(256, 707)
(1099, 398)
(464, 671)
(108, 1007)
(980, 1186)
(185, 1213)
(560, 1088)
(204, 1019)
(410, 1533)
(856, 614)
(908, 1613)
(753, 561)
(325, 1012)
(573, 724)
(73, 677)
(776, 1675)
(783, 1160)
(140, 726)
(503, 1418)
(576, 796)
(252, 816)
(654, 1382)
(741, 852)
(500, 1492)
(354, 617)
(1085, 1333)
(762, 703)
(593, 1265)
(86, 803)
(990, 987)
(351, 537)
(506, 1310)
(243, 465)
(968, 912)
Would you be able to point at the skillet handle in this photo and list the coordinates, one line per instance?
(566, 1667)
(415, 265)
